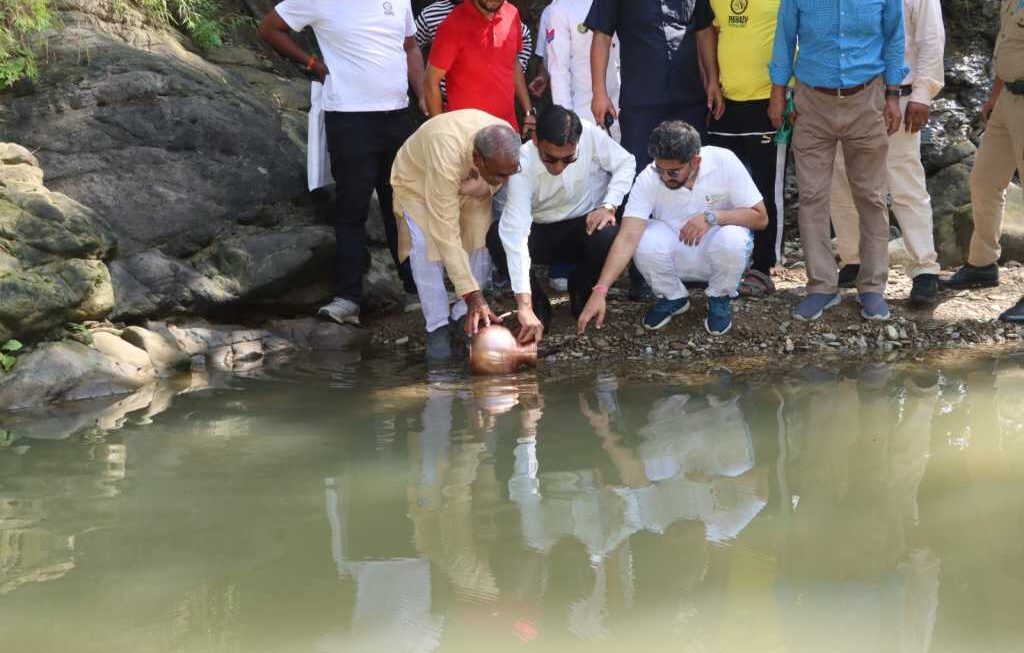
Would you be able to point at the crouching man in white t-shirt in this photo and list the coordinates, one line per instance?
(688, 218)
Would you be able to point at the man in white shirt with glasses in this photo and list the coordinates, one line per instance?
(560, 209)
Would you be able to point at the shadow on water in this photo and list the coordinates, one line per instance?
(351, 505)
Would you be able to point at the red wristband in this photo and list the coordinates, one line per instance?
(600, 289)
(311, 63)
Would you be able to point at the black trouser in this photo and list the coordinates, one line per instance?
(561, 242)
(362, 146)
(746, 130)
(637, 123)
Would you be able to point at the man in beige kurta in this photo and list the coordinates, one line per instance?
(1000, 153)
(444, 177)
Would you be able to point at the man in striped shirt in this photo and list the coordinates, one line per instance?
(434, 14)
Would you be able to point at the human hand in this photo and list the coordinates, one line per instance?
(602, 106)
(986, 109)
(538, 85)
(893, 116)
(694, 230)
(319, 71)
(529, 126)
(479, 314)
(531, 329)
(598, 219)
(716, 101)
(777, 109)
(916, 116)
(594, 310)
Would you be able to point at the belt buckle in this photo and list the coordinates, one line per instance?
(839, 93)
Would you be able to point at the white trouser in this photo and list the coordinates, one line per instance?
(429, 278)
(719, 259)
(910, 203)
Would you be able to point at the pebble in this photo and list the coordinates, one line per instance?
(789, 346)
(828, 337)
(891, 333)
(404, 340)
(677, 345)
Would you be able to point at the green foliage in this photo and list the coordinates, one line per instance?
(8, 352)
(20, 22)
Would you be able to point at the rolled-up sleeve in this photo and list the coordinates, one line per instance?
(514, 228)
(930, 38)
(895, 42)
(444, 214)
(614, 159)
(781, 67)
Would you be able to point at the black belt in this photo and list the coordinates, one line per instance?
(1017, 87)
(841, 92)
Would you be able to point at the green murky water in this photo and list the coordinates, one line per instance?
(376, 508)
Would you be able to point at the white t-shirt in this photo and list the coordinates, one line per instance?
(722, 183)
(363, 45)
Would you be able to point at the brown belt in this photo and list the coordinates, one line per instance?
(841, 92)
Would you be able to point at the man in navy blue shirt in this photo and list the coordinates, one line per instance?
(669, 66)
(848, 73)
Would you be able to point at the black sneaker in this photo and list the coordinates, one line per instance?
(925, 290)
(1015, 314)
(848, 275)
(970, 276)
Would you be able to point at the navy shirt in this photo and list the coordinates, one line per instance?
(659, 47)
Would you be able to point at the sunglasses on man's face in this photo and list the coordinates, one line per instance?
(553, 160)
(671, 173)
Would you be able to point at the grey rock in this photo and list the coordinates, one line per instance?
(123, 352)
(320, 335)
(66, 371)
(165, 356)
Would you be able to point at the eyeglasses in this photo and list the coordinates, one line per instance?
(552, 160)
(671, 173)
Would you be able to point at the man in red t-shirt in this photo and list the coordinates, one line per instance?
(475, 53)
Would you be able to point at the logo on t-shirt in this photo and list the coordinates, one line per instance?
(583, 29)
(738, 8)
(714, 198)
(549, 36)
(389, 9)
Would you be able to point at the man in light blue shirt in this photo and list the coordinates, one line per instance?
(848, 74)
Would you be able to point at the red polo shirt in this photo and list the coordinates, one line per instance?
(479, 56)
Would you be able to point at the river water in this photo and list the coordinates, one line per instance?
(379, 507)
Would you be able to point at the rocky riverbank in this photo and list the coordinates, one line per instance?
(764, 335)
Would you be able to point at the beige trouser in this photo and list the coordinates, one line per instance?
(910, 203)
(1001, 151)
(857, 123)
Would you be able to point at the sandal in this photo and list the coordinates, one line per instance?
(756, 284)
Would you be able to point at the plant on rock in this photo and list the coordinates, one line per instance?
(8, 352)
(20, 22)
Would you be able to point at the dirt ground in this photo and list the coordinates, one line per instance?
(763, 334)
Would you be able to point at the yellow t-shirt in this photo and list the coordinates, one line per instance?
(746, 34)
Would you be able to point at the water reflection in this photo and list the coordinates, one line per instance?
(863, 509)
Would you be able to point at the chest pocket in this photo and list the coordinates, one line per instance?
(866, 18)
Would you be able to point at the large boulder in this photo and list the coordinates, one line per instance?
(51, 251)
(67, 371)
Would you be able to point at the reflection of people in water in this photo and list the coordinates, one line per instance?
(858, 447)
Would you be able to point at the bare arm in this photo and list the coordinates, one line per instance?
(523, 96)
(432, 90)
(600, 52)
(414, 59)
(623, 248)
(707, 53)
(278, 35)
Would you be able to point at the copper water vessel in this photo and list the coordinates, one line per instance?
(494, 350)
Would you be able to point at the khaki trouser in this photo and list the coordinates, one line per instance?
(1001, 151)
(857, 123)
(911, 203)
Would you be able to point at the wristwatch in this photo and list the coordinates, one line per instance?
(608, 206)
(711, 218)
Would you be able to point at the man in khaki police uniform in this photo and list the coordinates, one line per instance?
(1001, 151)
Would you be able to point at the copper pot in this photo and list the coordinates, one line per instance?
(494, 350)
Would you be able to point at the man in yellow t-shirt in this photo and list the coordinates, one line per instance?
(746, 34)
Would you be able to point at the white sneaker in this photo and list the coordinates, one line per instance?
(341, 311)
(559, 284)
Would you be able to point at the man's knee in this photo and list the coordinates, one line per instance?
(600, 242)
